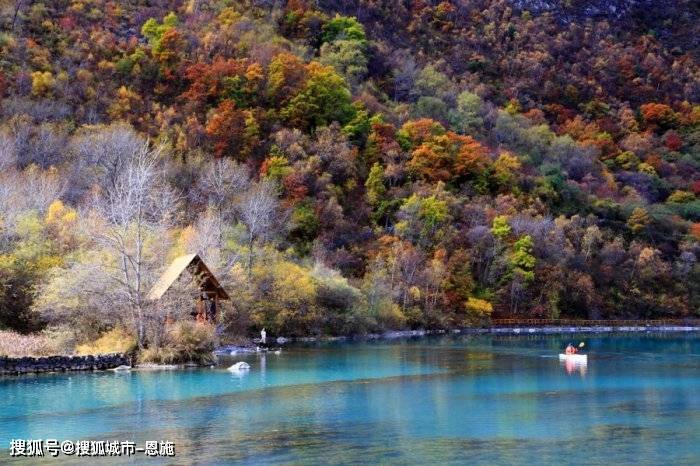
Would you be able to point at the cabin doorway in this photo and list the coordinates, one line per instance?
(206, 307)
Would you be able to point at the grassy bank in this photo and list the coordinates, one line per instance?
(181, 342)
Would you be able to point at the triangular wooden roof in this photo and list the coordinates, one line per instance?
(196, 266)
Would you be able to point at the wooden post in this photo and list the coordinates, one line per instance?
(201, 312)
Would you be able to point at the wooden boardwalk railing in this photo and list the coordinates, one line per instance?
(594, 323)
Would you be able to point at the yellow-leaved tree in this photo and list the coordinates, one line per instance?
(478, 311)
(288, 306)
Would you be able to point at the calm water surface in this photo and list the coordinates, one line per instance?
(449, 400)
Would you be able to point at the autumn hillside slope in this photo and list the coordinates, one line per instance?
(349, 166)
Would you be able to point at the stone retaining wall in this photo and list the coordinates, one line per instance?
(27, 365)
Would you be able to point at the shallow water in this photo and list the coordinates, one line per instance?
(450, 400)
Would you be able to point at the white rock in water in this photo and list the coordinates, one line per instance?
(239, 366)
(122, 369)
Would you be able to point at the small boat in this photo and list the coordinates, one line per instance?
(575, 358)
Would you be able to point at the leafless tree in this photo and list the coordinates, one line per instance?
(76, 296)
(33, 189)
(33, 109)
(518, 292)
(260, 212)
(222, 181)
(43, 144)
(47, 146)
(99, 156)
(130, 217)
(178, 303)
(410, 264)
(293, 143)
(41, 187)
(404, 74)
(592, 241)
(209, 239)
(335, 153)
(8, 154)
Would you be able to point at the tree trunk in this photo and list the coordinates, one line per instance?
(250, 257)
(140, 328)
(18, 6)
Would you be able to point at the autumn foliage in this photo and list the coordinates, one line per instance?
(425, 164)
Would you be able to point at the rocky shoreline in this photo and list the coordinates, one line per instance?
(35, 365)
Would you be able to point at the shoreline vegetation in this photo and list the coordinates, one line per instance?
(340, 170)
(15, 346)
(34, 365)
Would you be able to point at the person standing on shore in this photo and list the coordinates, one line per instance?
(263, 336)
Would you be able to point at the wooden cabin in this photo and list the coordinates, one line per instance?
(206, 304)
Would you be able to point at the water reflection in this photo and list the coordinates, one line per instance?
(475, 399)
(574, 367)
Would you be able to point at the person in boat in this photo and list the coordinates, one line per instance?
(571, 349)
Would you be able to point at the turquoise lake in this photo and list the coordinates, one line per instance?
(477, 399)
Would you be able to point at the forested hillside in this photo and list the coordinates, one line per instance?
(349, 166)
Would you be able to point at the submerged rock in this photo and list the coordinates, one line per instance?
(232, 350)
(239, 366)
(122, 368)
